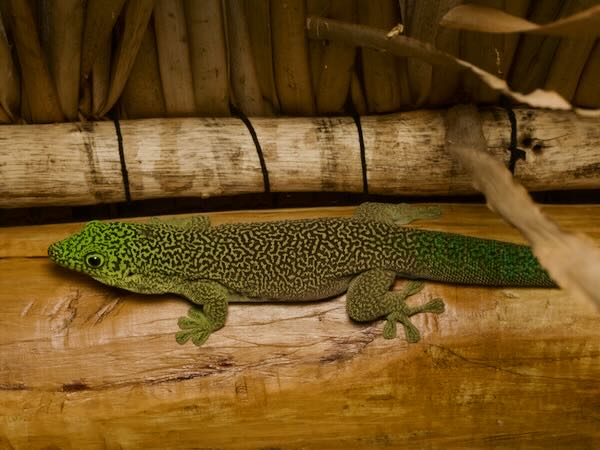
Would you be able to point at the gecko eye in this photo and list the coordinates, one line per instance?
(94, 260)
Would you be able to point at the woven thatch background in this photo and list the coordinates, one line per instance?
(72, 59)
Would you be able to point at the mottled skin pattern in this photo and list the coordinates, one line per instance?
(294, 261)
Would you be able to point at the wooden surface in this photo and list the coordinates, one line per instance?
(88, 366)
(74, 164)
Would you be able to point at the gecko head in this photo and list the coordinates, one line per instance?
(108, 252)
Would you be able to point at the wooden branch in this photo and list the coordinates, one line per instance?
(71, 164)
(88, 366)
(369, 37)
(572, 260)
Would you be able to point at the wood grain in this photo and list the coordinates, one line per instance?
(87, 366)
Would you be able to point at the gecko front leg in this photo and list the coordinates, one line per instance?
(395, 214)
(201, 322)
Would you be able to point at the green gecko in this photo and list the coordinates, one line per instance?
(296, 260)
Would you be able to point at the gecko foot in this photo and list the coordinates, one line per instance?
(402, 312)
(194, 326)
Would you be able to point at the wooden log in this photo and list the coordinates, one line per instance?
(202, 157)
(88, 366)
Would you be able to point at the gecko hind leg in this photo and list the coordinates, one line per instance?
(369, 298)
(402, 312)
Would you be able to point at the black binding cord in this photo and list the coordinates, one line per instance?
(122, 157)
(261, 158)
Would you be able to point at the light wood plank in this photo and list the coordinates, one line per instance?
(87, 366)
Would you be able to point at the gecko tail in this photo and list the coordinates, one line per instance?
(462, 259)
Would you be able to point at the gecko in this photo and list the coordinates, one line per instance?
(295, 260)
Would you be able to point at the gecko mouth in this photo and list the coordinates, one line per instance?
(56, 254)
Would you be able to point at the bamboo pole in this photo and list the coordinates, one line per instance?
(61, 164)
(202, 157)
